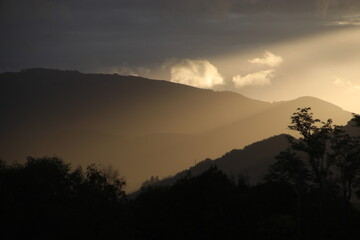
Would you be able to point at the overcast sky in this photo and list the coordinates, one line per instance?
(265, 49)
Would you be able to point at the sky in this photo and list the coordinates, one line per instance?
(271, 50)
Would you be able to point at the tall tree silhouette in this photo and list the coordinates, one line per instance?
(325, 160)
(315, 135)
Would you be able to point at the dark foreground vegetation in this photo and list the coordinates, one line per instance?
(307, 194)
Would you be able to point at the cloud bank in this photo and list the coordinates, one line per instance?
(195, 72)
(86, 34)
(261, 78)
(268, 59)
(343, 83)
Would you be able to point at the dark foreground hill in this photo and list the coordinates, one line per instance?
(142, 127)
(251, 162)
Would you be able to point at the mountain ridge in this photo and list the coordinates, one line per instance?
(251, 162)
(142, 127)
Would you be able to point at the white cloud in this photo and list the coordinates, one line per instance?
(195, 72)
(339, 82)
(346, 21)
(261, 78)
(269, 59)
(343, 83)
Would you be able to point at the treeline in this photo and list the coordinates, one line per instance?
(45, 199)
(307, 194)
(323, 163)
(42, 199)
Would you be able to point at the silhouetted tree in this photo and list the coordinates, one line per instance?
(153, 180)
(346, 157)
(45, 199)
(289, 168)
(314, 142)
(325, 161)
(356, 119)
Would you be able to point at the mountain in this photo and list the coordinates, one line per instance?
(251, 162)
(41, 96)
(140, 126)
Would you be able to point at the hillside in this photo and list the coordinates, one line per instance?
(251, 162)
(142, 127)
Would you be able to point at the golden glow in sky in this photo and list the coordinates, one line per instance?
(324, 65)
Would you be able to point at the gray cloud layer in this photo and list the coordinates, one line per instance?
(92, 35)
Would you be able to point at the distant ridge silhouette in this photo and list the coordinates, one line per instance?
(251, 162)
(142, 127)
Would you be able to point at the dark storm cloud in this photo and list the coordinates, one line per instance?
(91, 34)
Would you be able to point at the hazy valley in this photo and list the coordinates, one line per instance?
(142, 127)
